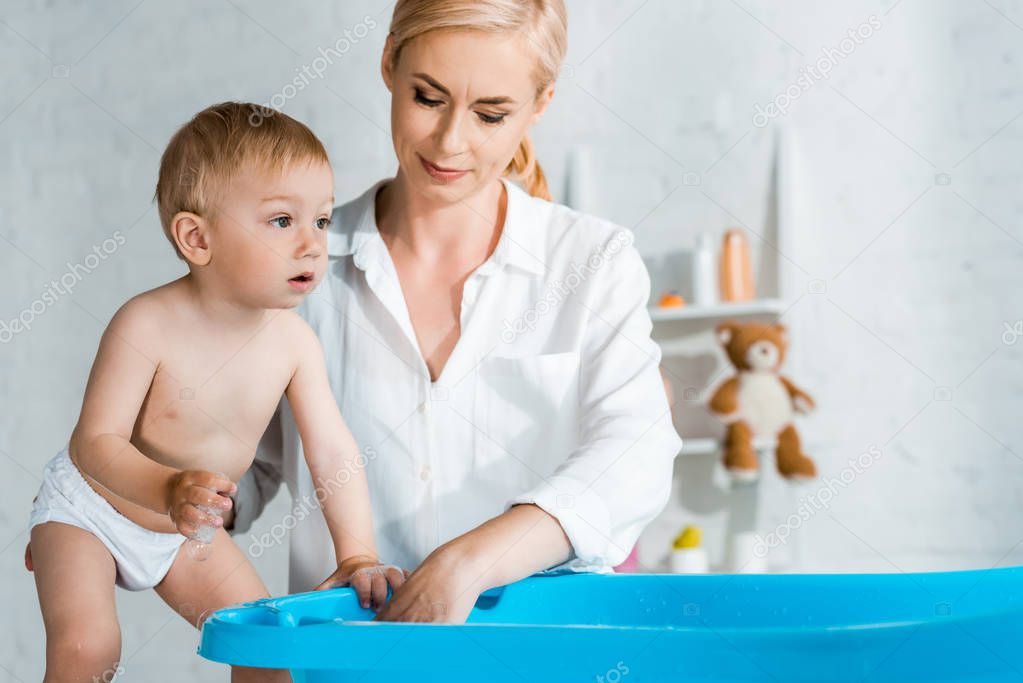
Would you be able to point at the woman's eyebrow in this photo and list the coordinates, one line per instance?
(434, 83)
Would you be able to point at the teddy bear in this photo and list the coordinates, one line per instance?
(759, 402)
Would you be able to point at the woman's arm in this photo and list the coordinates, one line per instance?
(619, 477)
(521, 541)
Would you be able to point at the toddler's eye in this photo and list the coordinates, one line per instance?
(322, 223)
(281, 221)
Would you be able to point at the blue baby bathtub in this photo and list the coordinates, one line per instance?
(639, 628)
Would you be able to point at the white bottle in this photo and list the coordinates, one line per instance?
(705, 277)
(746, 555)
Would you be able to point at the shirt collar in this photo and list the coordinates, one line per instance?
(353, 231)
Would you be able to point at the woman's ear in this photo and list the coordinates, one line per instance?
(191, 235)
(542, 102)
(386, 61)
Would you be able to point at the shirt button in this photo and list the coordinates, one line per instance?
(424, 407)
(424, 473)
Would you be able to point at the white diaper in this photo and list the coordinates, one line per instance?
(143, 556)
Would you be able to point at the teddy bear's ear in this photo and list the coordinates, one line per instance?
(725, 332)
(783, 331)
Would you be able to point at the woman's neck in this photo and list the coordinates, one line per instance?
(429, 229)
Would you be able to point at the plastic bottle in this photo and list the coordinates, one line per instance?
(705, 281)
(736, 268)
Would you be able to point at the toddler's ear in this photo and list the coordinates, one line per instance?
(191, 236)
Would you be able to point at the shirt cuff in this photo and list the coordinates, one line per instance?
(582, 514)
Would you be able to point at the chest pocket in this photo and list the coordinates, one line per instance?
(526, 415)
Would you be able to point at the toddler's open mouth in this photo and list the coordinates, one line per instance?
(302, 282)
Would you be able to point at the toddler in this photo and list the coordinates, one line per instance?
(185, 381)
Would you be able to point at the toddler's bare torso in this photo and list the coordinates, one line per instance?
(211, 397)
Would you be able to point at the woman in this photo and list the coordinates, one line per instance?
(490, 350)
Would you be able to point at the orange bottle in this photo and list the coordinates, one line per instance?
(736, 267)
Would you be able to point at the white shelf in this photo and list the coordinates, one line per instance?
(722, 310)
(708, 445)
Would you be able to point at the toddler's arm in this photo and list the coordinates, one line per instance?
(338, 471)
(100, 445)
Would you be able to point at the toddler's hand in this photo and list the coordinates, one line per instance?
(368, 577)
(191, 490)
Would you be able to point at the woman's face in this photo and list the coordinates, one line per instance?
(461, 101)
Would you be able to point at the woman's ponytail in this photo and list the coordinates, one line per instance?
(525, 168)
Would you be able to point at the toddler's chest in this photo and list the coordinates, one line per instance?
(194, 405)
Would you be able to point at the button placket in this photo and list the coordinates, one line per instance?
(425, 467)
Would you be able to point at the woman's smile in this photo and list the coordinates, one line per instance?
(440, 173)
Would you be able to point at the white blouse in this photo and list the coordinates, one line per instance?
(551, 396)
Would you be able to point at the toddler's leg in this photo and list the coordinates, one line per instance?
(74, 574)
(195, 589)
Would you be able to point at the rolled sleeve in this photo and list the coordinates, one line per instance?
(619, 478)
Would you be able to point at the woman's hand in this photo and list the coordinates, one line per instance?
(368, 577)
(189, 490)
(522, 540)
(440, 590)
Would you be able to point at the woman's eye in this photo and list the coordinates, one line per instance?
(492, 119)
(322, 223)
(281, 221)
(424, 100)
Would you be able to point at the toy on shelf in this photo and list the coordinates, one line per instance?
(759, 402)
(671, 300)
(687, 556)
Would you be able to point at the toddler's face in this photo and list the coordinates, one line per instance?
(269, 239)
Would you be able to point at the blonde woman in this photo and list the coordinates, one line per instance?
(490, 350)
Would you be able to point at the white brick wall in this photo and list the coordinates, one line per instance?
(920, 277)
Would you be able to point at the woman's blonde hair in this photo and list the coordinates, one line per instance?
(544, 25)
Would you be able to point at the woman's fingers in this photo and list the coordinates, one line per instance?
(392, 611)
